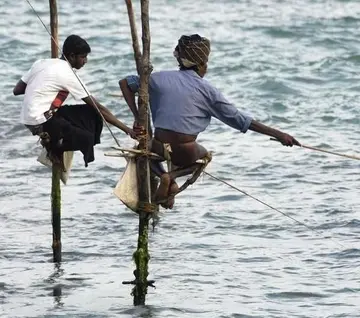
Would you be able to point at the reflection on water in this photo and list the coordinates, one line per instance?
(54, 279)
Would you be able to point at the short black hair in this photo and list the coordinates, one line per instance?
(75, 44)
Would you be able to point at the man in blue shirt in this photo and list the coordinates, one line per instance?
(182, 103)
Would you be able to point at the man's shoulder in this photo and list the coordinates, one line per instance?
(38, 63)
(61, 63)
(206, 85)
(47, 61)
(51, 64)
(62, 69)
(160, 77)
(166, 73)
(54, 70)
(169, 76)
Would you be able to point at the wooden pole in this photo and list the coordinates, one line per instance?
(146, 180)
(54, 28)
(141, 256)
(134, 36)
(56, 169)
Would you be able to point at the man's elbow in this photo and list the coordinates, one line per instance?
(19, 88)
(123, 84)
(16, 91)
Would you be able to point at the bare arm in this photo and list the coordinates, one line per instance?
(19, 88)
(129, 98)
(231, 116)
(284, 138)
(108, 116)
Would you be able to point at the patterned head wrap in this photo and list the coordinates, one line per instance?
(192, 50)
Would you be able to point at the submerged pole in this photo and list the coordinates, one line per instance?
(56, 169)
(145, 180)
(142, 256)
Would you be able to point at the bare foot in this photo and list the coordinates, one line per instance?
(173, 189)
(162, 191)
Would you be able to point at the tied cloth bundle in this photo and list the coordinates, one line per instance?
(192, 50)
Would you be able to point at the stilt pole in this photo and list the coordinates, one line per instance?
(141, 255)
(56, 169)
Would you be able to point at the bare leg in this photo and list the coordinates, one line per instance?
(184, 171)
(166, 184)
(156, 165)
(157, 168)
(185, 156)
(174, 188)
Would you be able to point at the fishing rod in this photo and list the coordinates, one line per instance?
(83, 86)
(325, 151)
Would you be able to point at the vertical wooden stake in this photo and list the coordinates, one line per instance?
(56, 213)
(134, 36)
(54, 28)
(146, 180)
(56, 169)
(142, 256)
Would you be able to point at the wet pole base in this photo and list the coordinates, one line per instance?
(56, 212)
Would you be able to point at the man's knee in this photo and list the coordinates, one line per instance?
(208, 156)
(157, 147)
(201, 151)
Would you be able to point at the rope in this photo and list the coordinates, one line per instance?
(107, 125)
(147, 207)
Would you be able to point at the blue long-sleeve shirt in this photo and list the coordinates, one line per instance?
(184, 102)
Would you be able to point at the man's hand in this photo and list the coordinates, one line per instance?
(284, 138)
(138, 129)
(132, 134)
(287, 140)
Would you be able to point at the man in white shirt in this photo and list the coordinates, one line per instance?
(67, 127)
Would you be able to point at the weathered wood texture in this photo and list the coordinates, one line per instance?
(141, 255)
(56, 170)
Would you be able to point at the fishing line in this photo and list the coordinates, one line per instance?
(107, 125)
(273, 208)
(325, 151)
(281, 212)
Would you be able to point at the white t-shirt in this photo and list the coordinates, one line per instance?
(48, 81)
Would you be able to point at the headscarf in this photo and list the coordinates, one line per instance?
(192, 50)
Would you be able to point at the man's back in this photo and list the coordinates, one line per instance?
(46, 79)
(183, 102)
(179, 101)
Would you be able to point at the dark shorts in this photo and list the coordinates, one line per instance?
(72, 128)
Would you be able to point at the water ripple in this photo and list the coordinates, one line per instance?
(292, 65)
